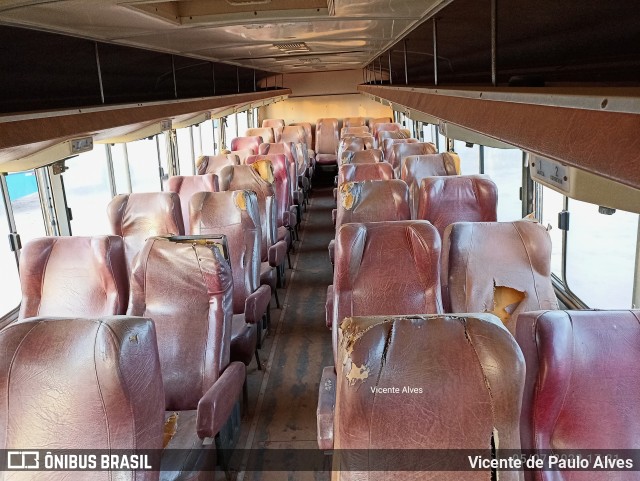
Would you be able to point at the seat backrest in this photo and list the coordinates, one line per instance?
(186, 288)
(372, 201)
(294, 134)
(385, 127)
(277, 125)
(242, 154)
(425, 384)
(234, 214)
(73, 276)
(282, 182)
(418, 167)
(361, 172)
(257, 177)
(379, 120)
(582, 389)
(387, 147)
(367, 255)
(457, 198)
(327, 136)
(213, 164)
(354, 130)
(187, 185)
(498, 267)
(243, 143)
(354, 122)
(289, 150)
(308, 132)
(368, 156)
(265, 132)
(81, 383)
(352, 144)
(136, 217)
(405, 149)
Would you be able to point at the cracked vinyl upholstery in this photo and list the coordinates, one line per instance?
(471, 374)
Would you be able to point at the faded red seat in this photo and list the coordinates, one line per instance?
(371, 201)
(327, 141)
(265, 132)
(352, 144)
(277, 125)
(362, 172)
(419, 167)
(459, 382)
(457, 198)
(385, 127)
(296, 135)
(73, 276)
(361, 157)
(242, 154)
(362, 284)
(308, 132)
(246, 143)
(136, 217)
(213, 164)
(186, 186)
(380, 120)
(235, 215)
(387, 147)
(346, 131)
(75, 383)
(581, 387)
(349, 122)
(401, 150)
(498, 267)
(288, 149)
(186, 287)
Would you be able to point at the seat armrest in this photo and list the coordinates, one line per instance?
(326, 408)
(334, 214)
(328, 307)
(256, 304)
(297, 197)
(277, 253)
(332, 251)
(290, 217)
(214, 408)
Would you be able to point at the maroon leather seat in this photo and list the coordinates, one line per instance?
(81, 383)
(187, 289)
(457, 198)
(361, 157)
(362, 283)
(186, 186)
(327, 141)
(385, 127)
(581, 386)
(419, 167)
(213, 164)
(371, 201)
(405, 149)
(73, 276)
(351, 143)
(349, 122)
(346, 131)
(244, 143)
(235, 215)
(308, 132)
(288, 149)
(265, 132)
(498, 267)
(360, 172)
(387, 147)
(136, 217)
(259, 178)
(277, 125)
(459, 379)
(296, 135)
(373, 123)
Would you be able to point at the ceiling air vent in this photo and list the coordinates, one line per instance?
(292, 47)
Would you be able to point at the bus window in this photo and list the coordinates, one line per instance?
(469, 156)
(144, 165)
(504, 166)
(161, 150)
(207, 137)
(552, 204)
(25, 202)
(121, 168)
(197, 140)
(243, 123)
(231, 129)
(185, 151)
(11, 293)
(601, 252)
(86, 183)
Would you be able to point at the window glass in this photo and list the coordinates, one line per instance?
(208, 138)
(120, 168)
(185, 154)
(601, 253)
(25, 201)
(11, 293)
(86, 183)
(469, 156)
(161, 150)
(428, 133)
(441, 143)
(504, 166)
(552, 205)
(197, 140)
(143, 165)
(230, 129)
(243, 124)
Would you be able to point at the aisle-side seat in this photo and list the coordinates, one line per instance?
(582, 388)
(308, 132)
(327, 139)
(187, 289)
(373, 123)
(363, 283)
(351, 144)
(460, 380)
(235, 215)
(346, 131)
(419, 167)
(213, 164)
(349, 122)
(288, 149)
(242, 154)
(498, 267)
(81, 383)
(295, 135)
(361, 157)
(361, 172)
(371, 201)
(457, 198)
(385, 127)
(265, 132)
(136, 217)
(187, 185)
(387, 147)
(246, 143)
(392, 134)
(401, 150)
(277, 125)
(73, 276)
